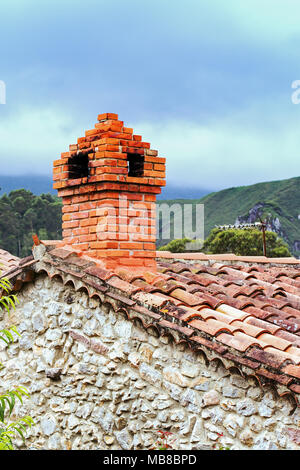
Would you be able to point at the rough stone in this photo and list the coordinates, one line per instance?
(109, 440)
(172, 375)
(120, 394)
(246, 408)
(211, 398)
(48, 425)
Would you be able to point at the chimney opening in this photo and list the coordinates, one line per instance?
(78, 166)
(135, 164)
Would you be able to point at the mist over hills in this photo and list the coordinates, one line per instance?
(39, 184)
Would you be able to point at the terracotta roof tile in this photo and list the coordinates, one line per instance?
(284, 380)
(249, 329)
(7, 262)
(292, 370)
(276, 342)
(211, 326)
(249, 315)
(239, 341)
(233, 312)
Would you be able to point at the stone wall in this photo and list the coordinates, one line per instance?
(99, 381)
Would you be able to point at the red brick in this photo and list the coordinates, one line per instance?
(111, 116)
(108, 253)
(155, 159)
(81, 246)
(144, 254)
(95, 220)
(70, 208)
(88, 238)
(149, 246)
(81, 231)
(152, 153)
(71, 224)
(131, 245)
(104, 244)
(59, 162)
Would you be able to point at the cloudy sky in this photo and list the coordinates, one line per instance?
(207, 82)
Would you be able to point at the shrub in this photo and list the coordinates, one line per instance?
(10, 429)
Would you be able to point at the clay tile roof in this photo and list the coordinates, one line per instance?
(7, 262)
(245, 312)
(18, 271)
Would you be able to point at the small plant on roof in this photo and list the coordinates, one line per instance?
(220, 447)
(9, 430)
(164, 441)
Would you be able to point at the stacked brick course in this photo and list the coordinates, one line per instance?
(108, 183)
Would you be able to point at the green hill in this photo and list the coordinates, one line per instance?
(277, 201)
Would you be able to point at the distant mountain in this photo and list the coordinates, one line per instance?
(277, 201)
(37, 184)
(182, 192)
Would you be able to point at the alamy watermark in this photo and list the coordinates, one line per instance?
(138, 221)
(296, 95)
(2, 92)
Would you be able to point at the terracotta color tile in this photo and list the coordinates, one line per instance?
(248, 329)
(146, 313)
(170, 300)
(211, 326)
(273, 359)
(119, 284)
(152, 300)
(220, 316)
(258, 312)
(293, 350)
(186, 298)
(173, 326)
(127, 275)
(264, 325)
(294, 339)
(239, 341)
(253, 310)
(203, 313)
(168, 286)
(287, 356)
(179, 312)
(98, 272)
(212, 301)
(209, 344)
(292, 370)
(275, 341)
(242, 361)
(60, 253)
(284, 380)
(288, 325)
(233, 312)
(292, 311)
(280, 313)
(295, 388)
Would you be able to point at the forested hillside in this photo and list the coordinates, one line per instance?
(278, 202)
(23, 214)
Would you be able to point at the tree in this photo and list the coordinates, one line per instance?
(22, 214)
(175, 246)
(245, 242)
(10, 429)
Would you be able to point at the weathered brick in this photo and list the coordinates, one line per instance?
(94, 218)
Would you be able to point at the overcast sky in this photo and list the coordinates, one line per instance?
(206, 82)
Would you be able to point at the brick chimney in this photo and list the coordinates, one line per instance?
(108, 183)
